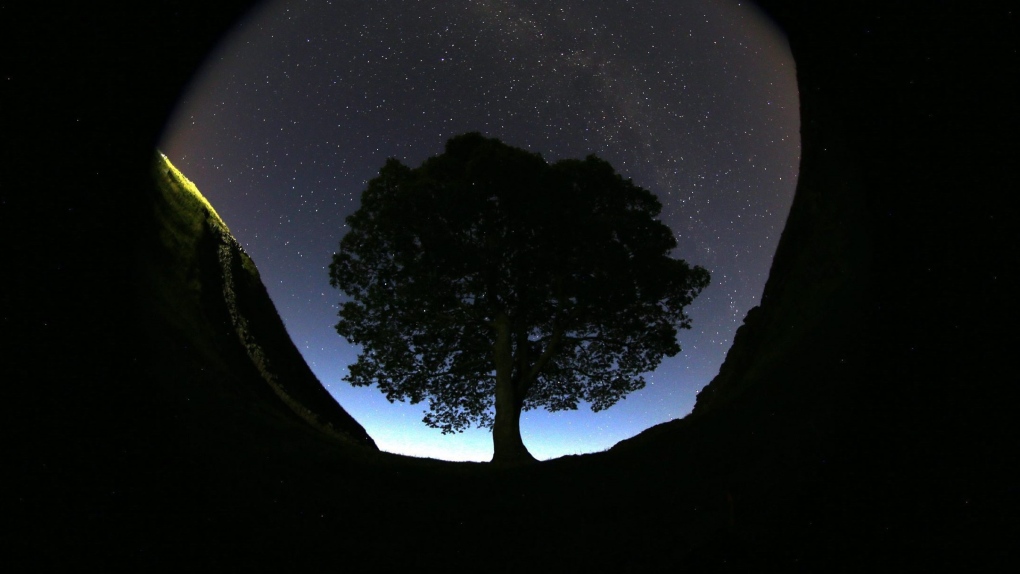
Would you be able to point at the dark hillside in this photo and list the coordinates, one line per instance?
(861, 422)
(864, 398)
(204, 294)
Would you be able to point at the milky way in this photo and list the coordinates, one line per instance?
(302, 103)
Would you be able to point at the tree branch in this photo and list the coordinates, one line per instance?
(597, 339)
(547, 354)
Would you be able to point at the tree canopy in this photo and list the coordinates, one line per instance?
(488, 281)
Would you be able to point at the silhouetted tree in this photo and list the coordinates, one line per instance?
(487, 277)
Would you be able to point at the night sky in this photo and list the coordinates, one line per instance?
(301, 105)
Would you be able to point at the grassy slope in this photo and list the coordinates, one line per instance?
(225, 312)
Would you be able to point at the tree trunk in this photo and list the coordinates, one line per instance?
(507, 446)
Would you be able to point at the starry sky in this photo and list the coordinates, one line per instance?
(301, 104)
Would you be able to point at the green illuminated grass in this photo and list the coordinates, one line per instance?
(174, 258)
(183, 184)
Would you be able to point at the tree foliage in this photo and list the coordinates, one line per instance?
(488, 264)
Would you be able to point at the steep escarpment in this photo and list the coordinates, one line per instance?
(209, 290)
